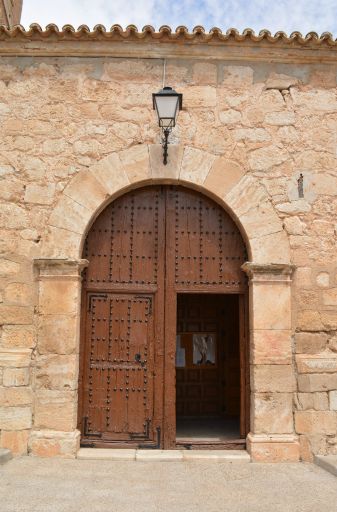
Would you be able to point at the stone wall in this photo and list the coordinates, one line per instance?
(261, 123)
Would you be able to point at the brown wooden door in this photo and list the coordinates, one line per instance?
(143, 249)
(122, 328)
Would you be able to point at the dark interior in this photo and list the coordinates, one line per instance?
(208, 368)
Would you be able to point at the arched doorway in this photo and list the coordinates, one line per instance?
(164, 331)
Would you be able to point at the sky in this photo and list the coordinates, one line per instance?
(287, 15)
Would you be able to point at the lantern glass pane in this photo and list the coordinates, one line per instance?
(166, 109)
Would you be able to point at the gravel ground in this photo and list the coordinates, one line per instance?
(55, 485)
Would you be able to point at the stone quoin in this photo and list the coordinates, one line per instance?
(78, 132)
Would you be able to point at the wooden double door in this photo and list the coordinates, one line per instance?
(144, 249)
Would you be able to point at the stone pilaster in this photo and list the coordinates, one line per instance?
(272, 437)
(56, 367)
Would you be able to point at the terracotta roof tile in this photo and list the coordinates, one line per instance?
(165, 33)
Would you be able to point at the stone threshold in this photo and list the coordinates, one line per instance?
(163, 455)
(327, 462)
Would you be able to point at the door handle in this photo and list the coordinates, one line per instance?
(138, 359)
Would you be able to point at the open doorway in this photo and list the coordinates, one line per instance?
(208, 371)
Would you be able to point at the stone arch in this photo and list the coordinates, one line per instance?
(59, 268)
(241, 195)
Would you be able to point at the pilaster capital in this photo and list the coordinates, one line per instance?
(59, 268)
(268, 272)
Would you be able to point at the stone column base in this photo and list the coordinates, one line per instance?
(273, 448)
(52, 443)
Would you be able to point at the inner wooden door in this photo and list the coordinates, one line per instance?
(208, 397)
(145, 248)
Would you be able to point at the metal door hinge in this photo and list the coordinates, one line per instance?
(95, 296)
(151, 446)
(86, 431)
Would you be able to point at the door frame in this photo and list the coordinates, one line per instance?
(169, 420)
(165, 348)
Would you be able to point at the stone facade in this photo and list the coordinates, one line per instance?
(10, 12)
(78, 129)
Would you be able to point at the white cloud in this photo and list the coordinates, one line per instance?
(287, 15)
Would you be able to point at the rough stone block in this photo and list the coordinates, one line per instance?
(14, 336)
(330, 297)
(270, 307)
(329, 320)
(271, 347)
(333, 400)
(11, 397)
(15, 357)
(8, 268)
(280, 81)
(87, 190)
(273, 247)
(196, 165)
(252, 135)
(305, 449)
(238, 76)
(315, 422)
(263, 448)
(16, 377)
(303, 277)
(223, 176)
(203, 96)
(316, 401)
(58, 334)
(61, 243)
(37, 194)
(19, 294)
(317, 382)
(204, 73)
(56, 372)
(272, 378)
(59, 297)
(13, 216)
(15, 418)
(110, 172)
(136, 163)
(323, 279)
(20, 315)
(266, 158)
(272, 413)
(309, 321)
(230, 116)
(55, 410)
(68, 214)
(261, 221)
(280, 118)
(50, 443)
(319, 363)
(310, 343)
(16, 441)
(245, 195)
(294, 226)
(171, 170)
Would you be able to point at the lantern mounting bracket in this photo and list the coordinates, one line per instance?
(166, 133)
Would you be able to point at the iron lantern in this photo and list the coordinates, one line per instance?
(167, 103)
